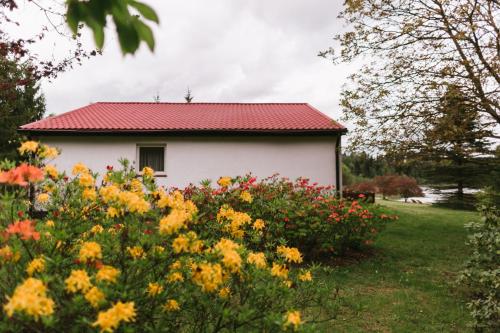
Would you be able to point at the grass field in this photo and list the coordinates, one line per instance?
(408, 285)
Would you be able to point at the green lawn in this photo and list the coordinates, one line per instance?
(409, 284)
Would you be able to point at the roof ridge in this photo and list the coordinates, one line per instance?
(212, 103)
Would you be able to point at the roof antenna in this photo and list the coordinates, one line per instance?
(188, 96)
(156, 98)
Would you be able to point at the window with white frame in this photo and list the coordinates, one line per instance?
(152, 156)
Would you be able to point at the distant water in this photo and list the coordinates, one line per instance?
(432, 195)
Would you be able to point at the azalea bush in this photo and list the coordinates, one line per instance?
(298, 213)
(126, 255)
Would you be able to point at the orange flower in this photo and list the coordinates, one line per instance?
(21, 175)
(24, 228)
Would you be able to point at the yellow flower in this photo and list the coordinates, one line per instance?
(35, 265)
(175, 265)
(207, 276)
(50, 223)
(231, 259)
(279, 271)
(49, 152)
(291, 254)
(224, 181)
(107, 274)
(148, 172)
(292, 318)
(225, 292)
(136, 186)
(90, 251)
(154, 289)
(79, 168)
(133, 202)
(51, 171)
(42, 198)
(89, 194)
(6, 254)
(97, 229)
(136, 252)
(109, 193)
(78, 280)
(246, 196)
(110, 319)
(306, 276)
(180, 244)
(175, 277)
(172, 305)
(159, 249)
(112, 212)
(86, 180)
(31, 298)
(94, 296)
(258, 259)
(28, 146)
(173, 222)
(258, 224)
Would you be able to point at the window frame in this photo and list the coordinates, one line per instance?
(152, 145)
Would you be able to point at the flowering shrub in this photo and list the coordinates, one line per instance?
(129, 256)
(300, 214)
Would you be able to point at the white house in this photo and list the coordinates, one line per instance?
(188, 142)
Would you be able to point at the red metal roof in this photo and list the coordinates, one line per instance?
(197, 117)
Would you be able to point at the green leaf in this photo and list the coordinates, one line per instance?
(127, 36)
(145, 11)
(73, 15)
(146, 34)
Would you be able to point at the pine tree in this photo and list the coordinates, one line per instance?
(456, 143)
(188, 96)
(21, 102)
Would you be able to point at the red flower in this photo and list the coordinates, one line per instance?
(20, 213)
(26, 229)
(109, 167)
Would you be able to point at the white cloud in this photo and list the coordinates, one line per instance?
(225, 50)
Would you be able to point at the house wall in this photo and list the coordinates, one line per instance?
(192, 159)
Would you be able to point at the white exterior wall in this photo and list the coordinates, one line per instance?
(192, 159)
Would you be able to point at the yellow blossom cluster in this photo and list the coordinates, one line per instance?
(28, 147)
(107, 274)
(224, 181)
(110, 319)
(51, 171)
(293, 319)
(78, 280)
(246, 196)
(154, 289)
(94, 296)
(90, 251)
(136, 252)
(30, 297)
(7, 254)
(230, 257)
(257, 259)
(208, 276)
(36, 265)
(291, 254)
(182, 211)
(172, 305)
(148, 172)
(236, 220)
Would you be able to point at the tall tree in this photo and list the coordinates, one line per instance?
(21, 102)
(415, 48)
(456, 142)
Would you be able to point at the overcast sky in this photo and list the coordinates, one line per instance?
(224, 50)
